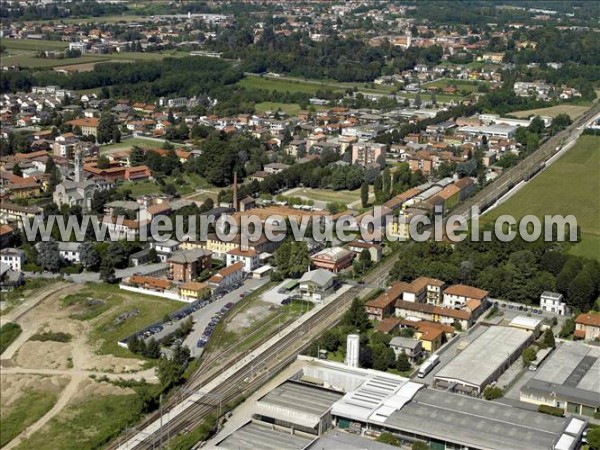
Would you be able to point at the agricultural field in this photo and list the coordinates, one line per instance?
(461, 85)
(23, 52)
(33, 44)
(283, 85)
(569, 186)
(574, 111)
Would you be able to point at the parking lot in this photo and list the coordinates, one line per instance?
(202, 313)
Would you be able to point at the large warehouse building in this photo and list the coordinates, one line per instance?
(568, 379)
(483, 360)
(363, 402)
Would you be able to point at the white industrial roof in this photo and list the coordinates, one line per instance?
(525, 322)
(480, 359)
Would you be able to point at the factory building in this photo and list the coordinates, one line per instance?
(568, 379)
(483, 360)
(361, 403)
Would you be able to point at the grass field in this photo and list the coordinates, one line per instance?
(106, 334)
(574, 111)
(23, 52)
(8, 333)
(90, 423)
(28, 409)
(126, 144)
(461, 85)
(274, 84)
(33, 44)
(569, 186)
(327, 195)
(291, 109)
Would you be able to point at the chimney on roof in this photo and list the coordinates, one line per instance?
(235, 193)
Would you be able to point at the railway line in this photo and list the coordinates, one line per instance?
(195, 407)
(526, 169)
(252, 374)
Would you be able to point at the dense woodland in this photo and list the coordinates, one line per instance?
(517, 271)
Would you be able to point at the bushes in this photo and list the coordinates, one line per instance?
(76, 268)
(558, 412)
(8, 333)
(51, 336)
(492, 392)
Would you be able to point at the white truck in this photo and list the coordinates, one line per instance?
(429, 364)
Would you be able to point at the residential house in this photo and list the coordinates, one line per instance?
(165, 249)
(249, 258)
(317, 284)
(411, 347)
(88, 125)
(458, 295)
(358, 246)
(227, 278)
(186, 265)
(193, 290)
(69, 251)
(384, 305)
(553, 302)
(587, 326)
(13, 258)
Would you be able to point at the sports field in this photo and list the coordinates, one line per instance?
(569, 186)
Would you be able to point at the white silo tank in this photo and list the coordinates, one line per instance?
(352, 350)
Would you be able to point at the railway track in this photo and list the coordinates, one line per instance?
(255, 373)
(526, 169)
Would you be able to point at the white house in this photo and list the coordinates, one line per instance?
(165, 249)
(14, 258)
(316, 284)
(69, 251)
(226, 278)
(553, 302)
(458, 295)
(249, 258)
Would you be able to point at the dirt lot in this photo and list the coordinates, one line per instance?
(65, 369)
(249, 316)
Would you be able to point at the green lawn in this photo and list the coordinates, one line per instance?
(291, 109)
(28, 409)
(569, 186)
(274, 84)
(8, 333)
(28, 59)
(106, 333)
(185, 184)
(461, 85)
(87, 424)
(32, 44)
(327, 195)
(126, 144)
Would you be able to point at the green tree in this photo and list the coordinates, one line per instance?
(356, 316)
(364, 194)
(403, 363)
(593, 438)
(88, 255)
(529, 355)
(419, 445)
(549, 338)
(107, 271)
(492, 392)
(103, 162)
(48, 255)
(581, 291)
(389, 438)
(16, 170)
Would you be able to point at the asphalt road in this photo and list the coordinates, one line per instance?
(203, 316)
